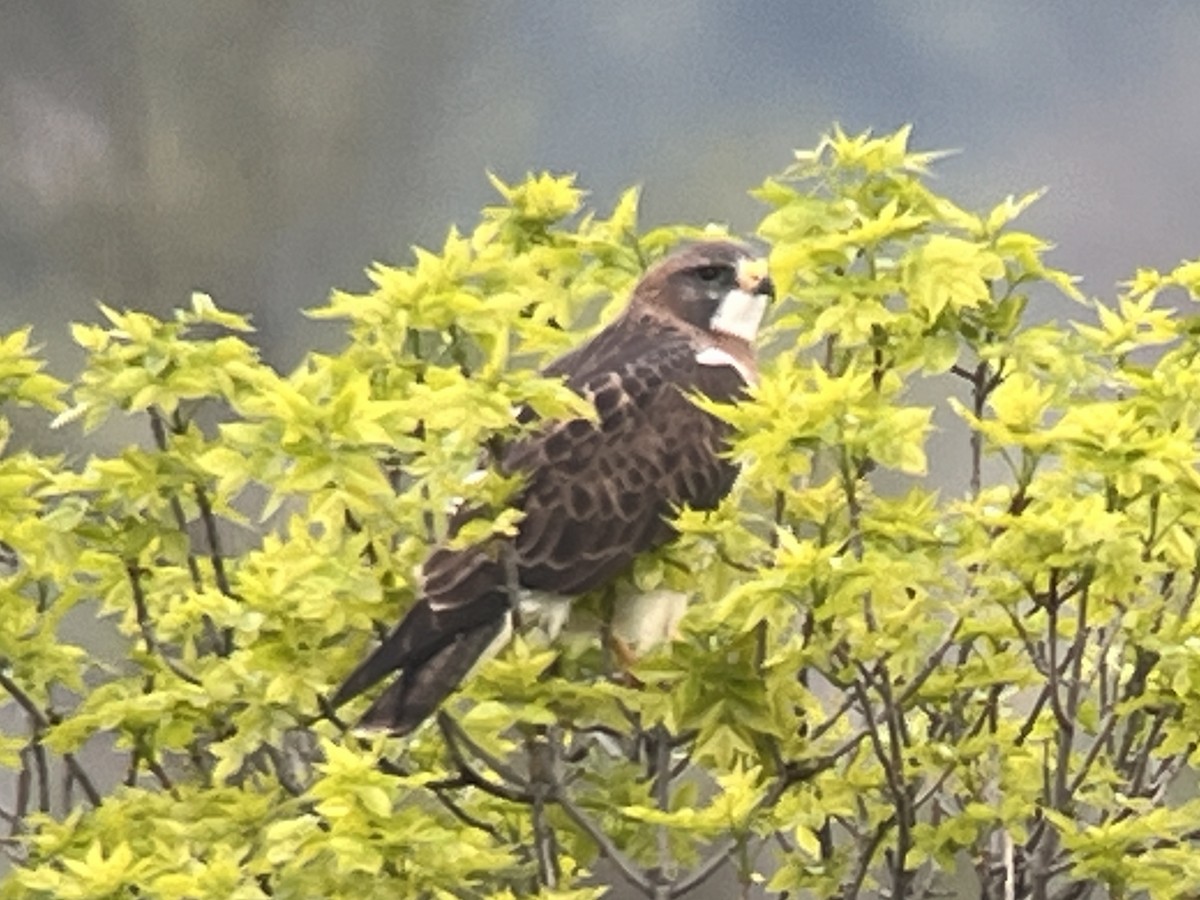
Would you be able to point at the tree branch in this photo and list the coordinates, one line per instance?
(41, 722)
(153, 647)
(609, 850)
(455, 736)
(542, 751)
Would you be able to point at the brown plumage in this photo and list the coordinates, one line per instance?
(596, 494)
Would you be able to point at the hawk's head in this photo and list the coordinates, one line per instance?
(720, 288)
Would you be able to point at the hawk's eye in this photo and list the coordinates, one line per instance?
(712, 273)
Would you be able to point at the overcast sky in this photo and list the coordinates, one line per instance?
(268, 152)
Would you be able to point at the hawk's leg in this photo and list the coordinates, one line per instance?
(642, 621)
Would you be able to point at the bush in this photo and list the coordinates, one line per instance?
(880, 687)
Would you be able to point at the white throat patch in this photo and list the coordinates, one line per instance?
(739, 314)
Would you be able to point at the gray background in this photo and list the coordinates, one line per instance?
(267, 152)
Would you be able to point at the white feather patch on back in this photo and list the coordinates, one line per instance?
(739, 314)
(547, 613)
(472, 478)
(715, 356)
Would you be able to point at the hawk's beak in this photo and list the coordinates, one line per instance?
(752, 277)
(742, 310)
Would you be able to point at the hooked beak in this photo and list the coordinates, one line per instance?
(741, 312)
(752, 277)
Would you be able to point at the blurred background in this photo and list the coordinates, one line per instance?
(267, 152)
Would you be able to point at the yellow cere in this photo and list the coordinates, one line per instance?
(751, 272)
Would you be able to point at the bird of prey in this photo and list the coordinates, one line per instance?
(596, 493)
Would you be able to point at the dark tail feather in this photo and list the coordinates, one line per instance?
(393, 654)
(427, 644)
(413, 697)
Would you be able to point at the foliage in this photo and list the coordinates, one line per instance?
(885, 680)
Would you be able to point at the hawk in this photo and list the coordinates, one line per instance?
(596, 492)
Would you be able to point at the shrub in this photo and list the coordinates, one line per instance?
(888, 681)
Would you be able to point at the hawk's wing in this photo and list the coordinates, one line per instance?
(597, 493)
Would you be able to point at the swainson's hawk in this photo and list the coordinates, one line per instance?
(596, 493)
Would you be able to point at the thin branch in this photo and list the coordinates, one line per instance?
(624, 865)
(282, 773)
(1143, 664)
(1065, 725)
(468, 819)
(212, 534)
(723, 556)
(215, 554)
(159, 430)
(661, 768)
(1066, 714)
(542, 751)
(874, 733)
(37, 753)
(834, 718)
(1031, 720)
(893, 768)
(1167, 770)
(1105, 638)
(1106, 728)
(454, 735)
(932, 791)
(158, 772)
(926, 671)
(13, 820)
(1190, 597)
(24, 789)
(153, 647)
(979, 394)
(42, 722)
(24, 701)
(865, 855)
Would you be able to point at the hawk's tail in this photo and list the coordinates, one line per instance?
(421, 688)
(436, 643)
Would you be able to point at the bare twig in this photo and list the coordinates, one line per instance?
(42, 764)
(849, 890)
(42, 721)
(212, 534)
(890, 757)
(457, 735)
(660, 748)
(609, 850)
(472, 821)
(1099, 744)
(283, 773)
(159, 430)
(542, 752)
(24, 789)
(146, 626)
(456, 738)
